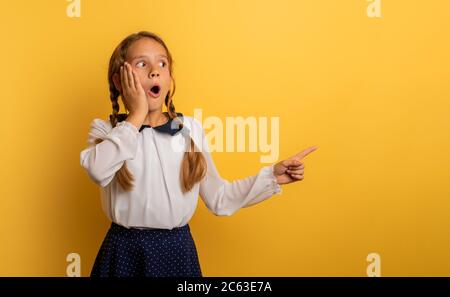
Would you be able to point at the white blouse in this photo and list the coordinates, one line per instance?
(154, 157)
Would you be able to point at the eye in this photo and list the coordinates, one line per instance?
(162, 63)
(140, 63)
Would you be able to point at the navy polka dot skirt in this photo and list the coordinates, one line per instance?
(147, 252)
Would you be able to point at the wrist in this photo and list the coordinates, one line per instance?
(136, 119)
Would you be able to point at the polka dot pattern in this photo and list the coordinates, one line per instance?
(147, 252)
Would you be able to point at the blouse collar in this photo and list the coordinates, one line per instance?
(168, 127)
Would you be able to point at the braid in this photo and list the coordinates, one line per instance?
(193, 167)
(114, 94)
(123, 175)
(171, 107)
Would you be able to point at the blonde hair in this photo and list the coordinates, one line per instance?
(193, 167)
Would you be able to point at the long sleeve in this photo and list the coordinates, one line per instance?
(224, 198)
(104, 159)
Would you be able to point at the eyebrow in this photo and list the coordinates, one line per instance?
(145, 56)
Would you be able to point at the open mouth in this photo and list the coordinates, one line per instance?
(155, 91)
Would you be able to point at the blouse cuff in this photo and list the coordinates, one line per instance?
(133, 129)
(273, 184)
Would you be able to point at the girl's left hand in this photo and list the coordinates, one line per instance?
(292, 169)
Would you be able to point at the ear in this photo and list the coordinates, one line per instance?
(116, 80)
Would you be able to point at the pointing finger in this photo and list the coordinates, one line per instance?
(306, 152)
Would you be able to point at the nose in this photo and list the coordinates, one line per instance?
(154, 74)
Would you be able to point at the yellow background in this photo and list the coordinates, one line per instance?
(372, 93)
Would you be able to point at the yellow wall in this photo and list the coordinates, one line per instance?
(372, 93)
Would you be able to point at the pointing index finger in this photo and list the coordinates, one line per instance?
(306, 152)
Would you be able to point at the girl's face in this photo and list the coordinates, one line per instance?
(148, 58)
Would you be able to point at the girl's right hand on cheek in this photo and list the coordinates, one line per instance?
(133, 95)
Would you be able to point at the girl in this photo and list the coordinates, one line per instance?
(152, 165)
